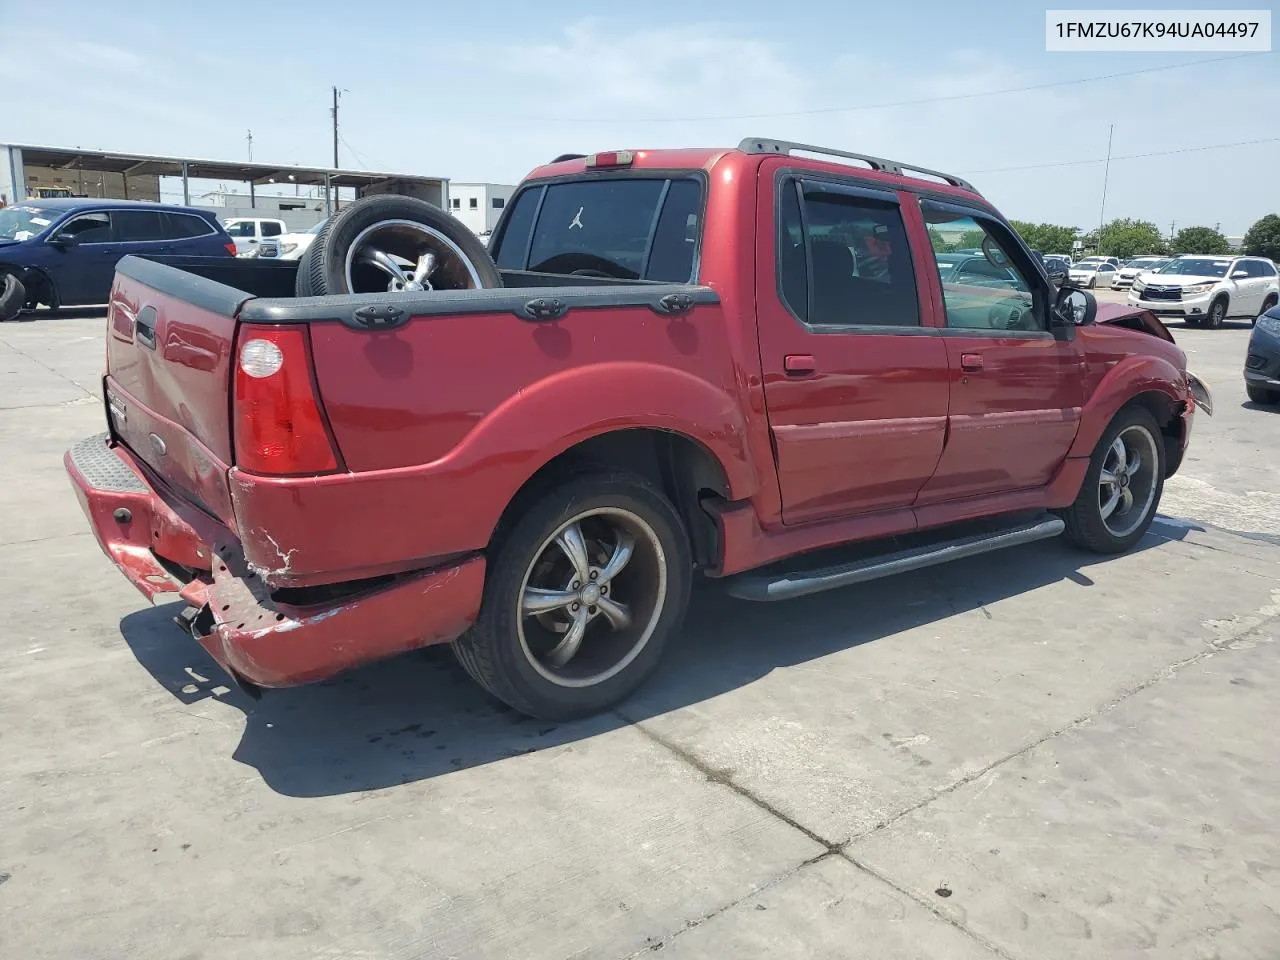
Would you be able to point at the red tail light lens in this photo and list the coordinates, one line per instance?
(279, 428)
(614, 158)
(231, 247)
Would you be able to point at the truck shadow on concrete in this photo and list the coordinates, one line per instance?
(419, 715)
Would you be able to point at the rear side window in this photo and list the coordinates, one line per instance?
(242, 228)
(1264, 269)
(631, 228)
(271, 230)
(843, 259)
(183, 226)
(513, 242)
(138, 225)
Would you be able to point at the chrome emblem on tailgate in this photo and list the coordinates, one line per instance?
(118, 413)
(158, 444)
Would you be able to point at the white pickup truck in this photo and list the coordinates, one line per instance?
(250, 232)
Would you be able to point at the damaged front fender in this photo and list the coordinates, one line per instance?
(1200, 393)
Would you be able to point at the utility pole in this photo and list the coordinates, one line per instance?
(1106, 174)
(335, 149)
(249, 139)
(335, 128)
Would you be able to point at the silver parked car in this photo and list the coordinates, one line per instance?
(1132, 269)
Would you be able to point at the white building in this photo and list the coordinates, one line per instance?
(479, 205)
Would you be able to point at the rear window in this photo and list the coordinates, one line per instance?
(182, 226)
(631, 228)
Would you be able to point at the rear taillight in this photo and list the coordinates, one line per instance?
(230, 247)
(278, 424)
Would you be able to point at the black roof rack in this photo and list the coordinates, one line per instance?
(568, 156)
(786, 147)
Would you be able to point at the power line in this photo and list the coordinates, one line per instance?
(888, 103)
(360, 156)
(1131, 156)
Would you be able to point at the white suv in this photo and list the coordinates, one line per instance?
(1208, 289)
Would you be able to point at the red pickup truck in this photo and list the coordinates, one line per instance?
(725, 361)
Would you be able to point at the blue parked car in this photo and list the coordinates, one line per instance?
(63, 252)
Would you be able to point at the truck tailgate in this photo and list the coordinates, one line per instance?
(170, 336)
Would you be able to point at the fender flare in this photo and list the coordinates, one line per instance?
(1132, 376)
(548, 418)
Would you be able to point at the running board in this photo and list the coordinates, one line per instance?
(786, 585)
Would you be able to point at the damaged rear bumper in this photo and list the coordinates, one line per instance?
(251, 634)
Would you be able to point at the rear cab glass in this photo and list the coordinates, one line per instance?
(631, 228)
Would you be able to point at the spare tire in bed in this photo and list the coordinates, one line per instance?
(390, 244)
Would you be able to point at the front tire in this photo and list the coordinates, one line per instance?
(1217, 314)
(13, 297)
(582, 594)
(1122, 487)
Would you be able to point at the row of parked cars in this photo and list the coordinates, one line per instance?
(1202, 289)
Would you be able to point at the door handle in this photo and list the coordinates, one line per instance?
(971, 362)
(144, 327)
(799, 364)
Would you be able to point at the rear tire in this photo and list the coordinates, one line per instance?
(403, 227)
(13, 297)
(1267, 304)
(540, 661)
(1104, 518)
(1262, 395)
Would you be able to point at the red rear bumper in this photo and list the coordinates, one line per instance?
(266, 642)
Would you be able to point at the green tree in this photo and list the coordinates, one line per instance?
(1200, 240)
(1125, 238)
(969, 240)
(1046, 237)
(1263, 238)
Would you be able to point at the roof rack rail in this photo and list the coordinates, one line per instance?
(786, 147)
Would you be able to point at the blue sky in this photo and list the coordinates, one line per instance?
(487, 90)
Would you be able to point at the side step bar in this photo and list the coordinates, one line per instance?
(786, 585)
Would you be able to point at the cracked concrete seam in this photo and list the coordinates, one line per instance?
(22, 353)
(840, 848)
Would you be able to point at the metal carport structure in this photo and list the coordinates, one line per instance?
(18, 157)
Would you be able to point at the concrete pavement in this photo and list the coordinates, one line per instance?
(1032, 754)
